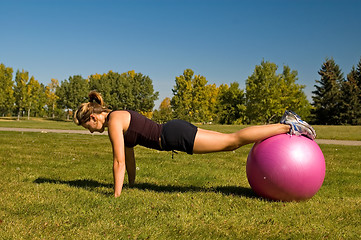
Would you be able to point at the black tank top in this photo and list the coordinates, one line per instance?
(142, 131)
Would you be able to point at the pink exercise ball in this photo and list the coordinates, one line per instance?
(286, 168)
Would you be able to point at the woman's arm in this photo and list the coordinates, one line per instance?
(115, 131)
(130, 165)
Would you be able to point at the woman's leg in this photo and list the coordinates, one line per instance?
(210, 141)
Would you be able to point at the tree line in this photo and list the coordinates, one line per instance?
(336, 99)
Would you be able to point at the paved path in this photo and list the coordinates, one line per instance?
(338, 142)
(319, 141)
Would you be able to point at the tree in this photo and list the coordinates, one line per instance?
(350, 105)
(211, 93)
(164, 112)
(35, 97)
(327, 96)
(108, 85)
(51, 97)
(358, 78)
(182, 96)
(130, 90)
(269, 94)
(142, 95)
(230, 104)
(201, 99)
(292, 95)
(21, 91)
(72, 93)
(193, 99)
(7, 99)
(261, 90)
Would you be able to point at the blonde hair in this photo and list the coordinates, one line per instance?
(95, 105)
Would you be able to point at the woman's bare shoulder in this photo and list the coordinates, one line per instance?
(119, 117)
(119, 113)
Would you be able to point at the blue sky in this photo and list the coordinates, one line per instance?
(222, 40)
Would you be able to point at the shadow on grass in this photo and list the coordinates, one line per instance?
(226, 190)
(81, 183)
(93, 185)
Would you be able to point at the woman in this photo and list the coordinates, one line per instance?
(127, 129)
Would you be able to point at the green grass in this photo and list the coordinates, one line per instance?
(59, 186)
(339, 132)
(323, 132)
(39, 123)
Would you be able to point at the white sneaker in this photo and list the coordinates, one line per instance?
(298, 126)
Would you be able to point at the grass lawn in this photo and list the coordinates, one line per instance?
(59, 186)
(323, 132)
(39, 123)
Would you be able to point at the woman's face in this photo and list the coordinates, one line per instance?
(94, 124)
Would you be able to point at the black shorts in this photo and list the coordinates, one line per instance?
(178, 135)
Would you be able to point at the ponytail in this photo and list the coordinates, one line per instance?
(95, 105)
(94, 96)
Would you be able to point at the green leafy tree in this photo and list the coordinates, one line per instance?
(21, 91)
(269, 94)
(51, 97)
(211, 101)
(193, 99)
(130, 90)
(164, 112)
(181, 101)
(350, 105)
(261, 92)
(36, 98)
(327, 96)
(7, 99)
(142, 95)
(113, 87)
(292, 96)
(72, 93)
(358, 78)
(231, 104)
(201, 99)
